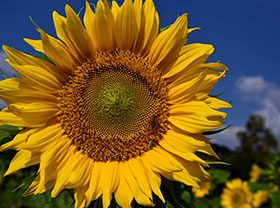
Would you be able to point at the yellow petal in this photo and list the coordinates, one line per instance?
(169, 43)
(123, 194)
(190, 156)
(110, 180)
(39, 138)
(58, 53)
(79, 195)
(95, 186)
(183, 90)
(7, 117)
(36, 44)
(34, 113)
(186, 142)
(66, 35)
(10, 84)
(78, 35)
(26, 96)
(83, 168)
(208, 84)
(148, 27)
(216, 103)
(38, 78)
(23, 159)
(18, 140)
(115, 9)
(157, 162)
(189, 56)
(126, 26)
(195, 117)
(155, 182)
(64, 169)
(104, 25)
(51, 162)
(21, 59)
(140, 196)
(182, 176)
(137, 169)
(195, 169)
(89, 21)
(33, 187)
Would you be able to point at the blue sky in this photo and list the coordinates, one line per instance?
(245, 34)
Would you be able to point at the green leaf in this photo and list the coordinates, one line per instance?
(215, 202)
(186, 196)
(9, 128)
(162, 29)
(44, 57)
(37, 27)
(216, 131)
(199, 203)
(219, 176)
(3, 134)
(216, 96)
(2, 72)
(8, 131)
(217, 163)
(259, 186)
(173, 194)
(80, 11)
(276, 199)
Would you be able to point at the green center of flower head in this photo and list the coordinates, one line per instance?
(116, 102)
(114, 107)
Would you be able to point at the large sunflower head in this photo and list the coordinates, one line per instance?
(119, 105)
(236, 194)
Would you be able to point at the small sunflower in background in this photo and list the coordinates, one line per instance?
(236, 194)
(259, 198)
(118, 106)
(202, 190)
(255, 173)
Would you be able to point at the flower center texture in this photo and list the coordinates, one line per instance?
(114, 107)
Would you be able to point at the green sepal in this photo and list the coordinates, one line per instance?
(216, 131)
(44, 57)
(163, 29)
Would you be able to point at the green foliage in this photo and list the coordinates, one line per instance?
(216, 131)
(44, 57)
(276, 199)
(219, 176)
(163, 29)
(254, 187)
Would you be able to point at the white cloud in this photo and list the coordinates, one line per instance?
(228, 137)
(266, 94)
(251, 84)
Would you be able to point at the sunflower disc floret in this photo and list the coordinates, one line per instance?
(114, 107)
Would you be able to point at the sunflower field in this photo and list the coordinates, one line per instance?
(117, 112)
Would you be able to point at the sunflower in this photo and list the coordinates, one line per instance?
(236, 194)
(202, 190)
(119, 105)
(255, 173)
(259, 198)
